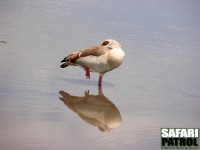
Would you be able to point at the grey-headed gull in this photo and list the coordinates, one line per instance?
(101, 59)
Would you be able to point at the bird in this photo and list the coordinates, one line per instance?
(101, 59)
(97, 110)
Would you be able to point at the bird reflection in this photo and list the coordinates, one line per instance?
(96, 110)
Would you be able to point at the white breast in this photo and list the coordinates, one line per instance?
(115, 57)
(103, 63)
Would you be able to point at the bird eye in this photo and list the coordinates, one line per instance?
(105, 43)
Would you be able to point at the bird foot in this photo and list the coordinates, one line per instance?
(87, 72)
(87, 93)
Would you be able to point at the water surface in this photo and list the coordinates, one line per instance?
(158, 84)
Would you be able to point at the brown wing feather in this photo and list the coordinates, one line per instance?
(94, 51)
(70, 60)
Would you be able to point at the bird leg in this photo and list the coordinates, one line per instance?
(87, 72)
(100, 79)
(100, 90)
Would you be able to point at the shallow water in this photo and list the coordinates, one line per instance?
(158, 84)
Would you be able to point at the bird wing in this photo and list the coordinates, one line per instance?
(92, 51)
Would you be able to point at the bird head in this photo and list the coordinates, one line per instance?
(110, 43)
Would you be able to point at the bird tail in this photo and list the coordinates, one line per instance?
(70, 60)
(64, 65)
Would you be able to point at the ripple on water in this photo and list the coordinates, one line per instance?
(148, 138)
